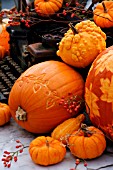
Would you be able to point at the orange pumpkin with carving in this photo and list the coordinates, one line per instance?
(99, 92)
(34, 98)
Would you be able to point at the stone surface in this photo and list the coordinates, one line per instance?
(11, 132)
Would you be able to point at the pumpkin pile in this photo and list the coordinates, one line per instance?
(84, 142)
(81, 44)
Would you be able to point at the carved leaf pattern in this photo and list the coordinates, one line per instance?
(40, 83)
(91, 100)
(50, 103)
(105, 62)
(107, 90)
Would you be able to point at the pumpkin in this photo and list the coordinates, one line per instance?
(66, 128)
(87, 143)
(5, 114)
(4, 36)
(47, 7)
(46, 151)
(99, 92)
(2, 52)
(103, 14)
(34, 98)
(81, 44)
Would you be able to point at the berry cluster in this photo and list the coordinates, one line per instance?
(8, 157)
(29, 17)
(73, 103)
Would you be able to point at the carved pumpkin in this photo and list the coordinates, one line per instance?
(87, 143)
(103, 14)
(99, 92)
(47, 7)
(34, 98)
(67, 128)
(4, 114)
(46, 151)
(81, 44)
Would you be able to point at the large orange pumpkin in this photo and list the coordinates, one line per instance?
(99, 92)
(34, 98)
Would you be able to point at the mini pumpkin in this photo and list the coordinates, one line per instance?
(5, 114)
(34, 98)
(87, 142)
(46, 151)
(47, 7)
(99, 92)
(103, 14)
(66, 128)
(81, 44)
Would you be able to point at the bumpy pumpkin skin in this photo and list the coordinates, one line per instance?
(47, 7)
(104, 17)
(46, 151)
(87, 147)
(99, 92)
(5, 114)
(81, 49)
(67, 128)
(38, 92)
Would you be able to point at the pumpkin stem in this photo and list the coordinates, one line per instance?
(85, 129)
(73, 28)
(47, 143)
(105, 9)
(21, 114)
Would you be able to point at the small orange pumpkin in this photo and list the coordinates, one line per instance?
(103, 14)
(46, 151)
(81, 44)
(87, 142)
(47, 7)
(5, 114)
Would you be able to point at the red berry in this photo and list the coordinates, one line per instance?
(85, 163)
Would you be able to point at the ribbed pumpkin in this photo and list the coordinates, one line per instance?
(81, 44)
(87, 143)
(34, 98)
(5, 114)
(103, 14)
(47, 7)
(99, 92)
(46, 151)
